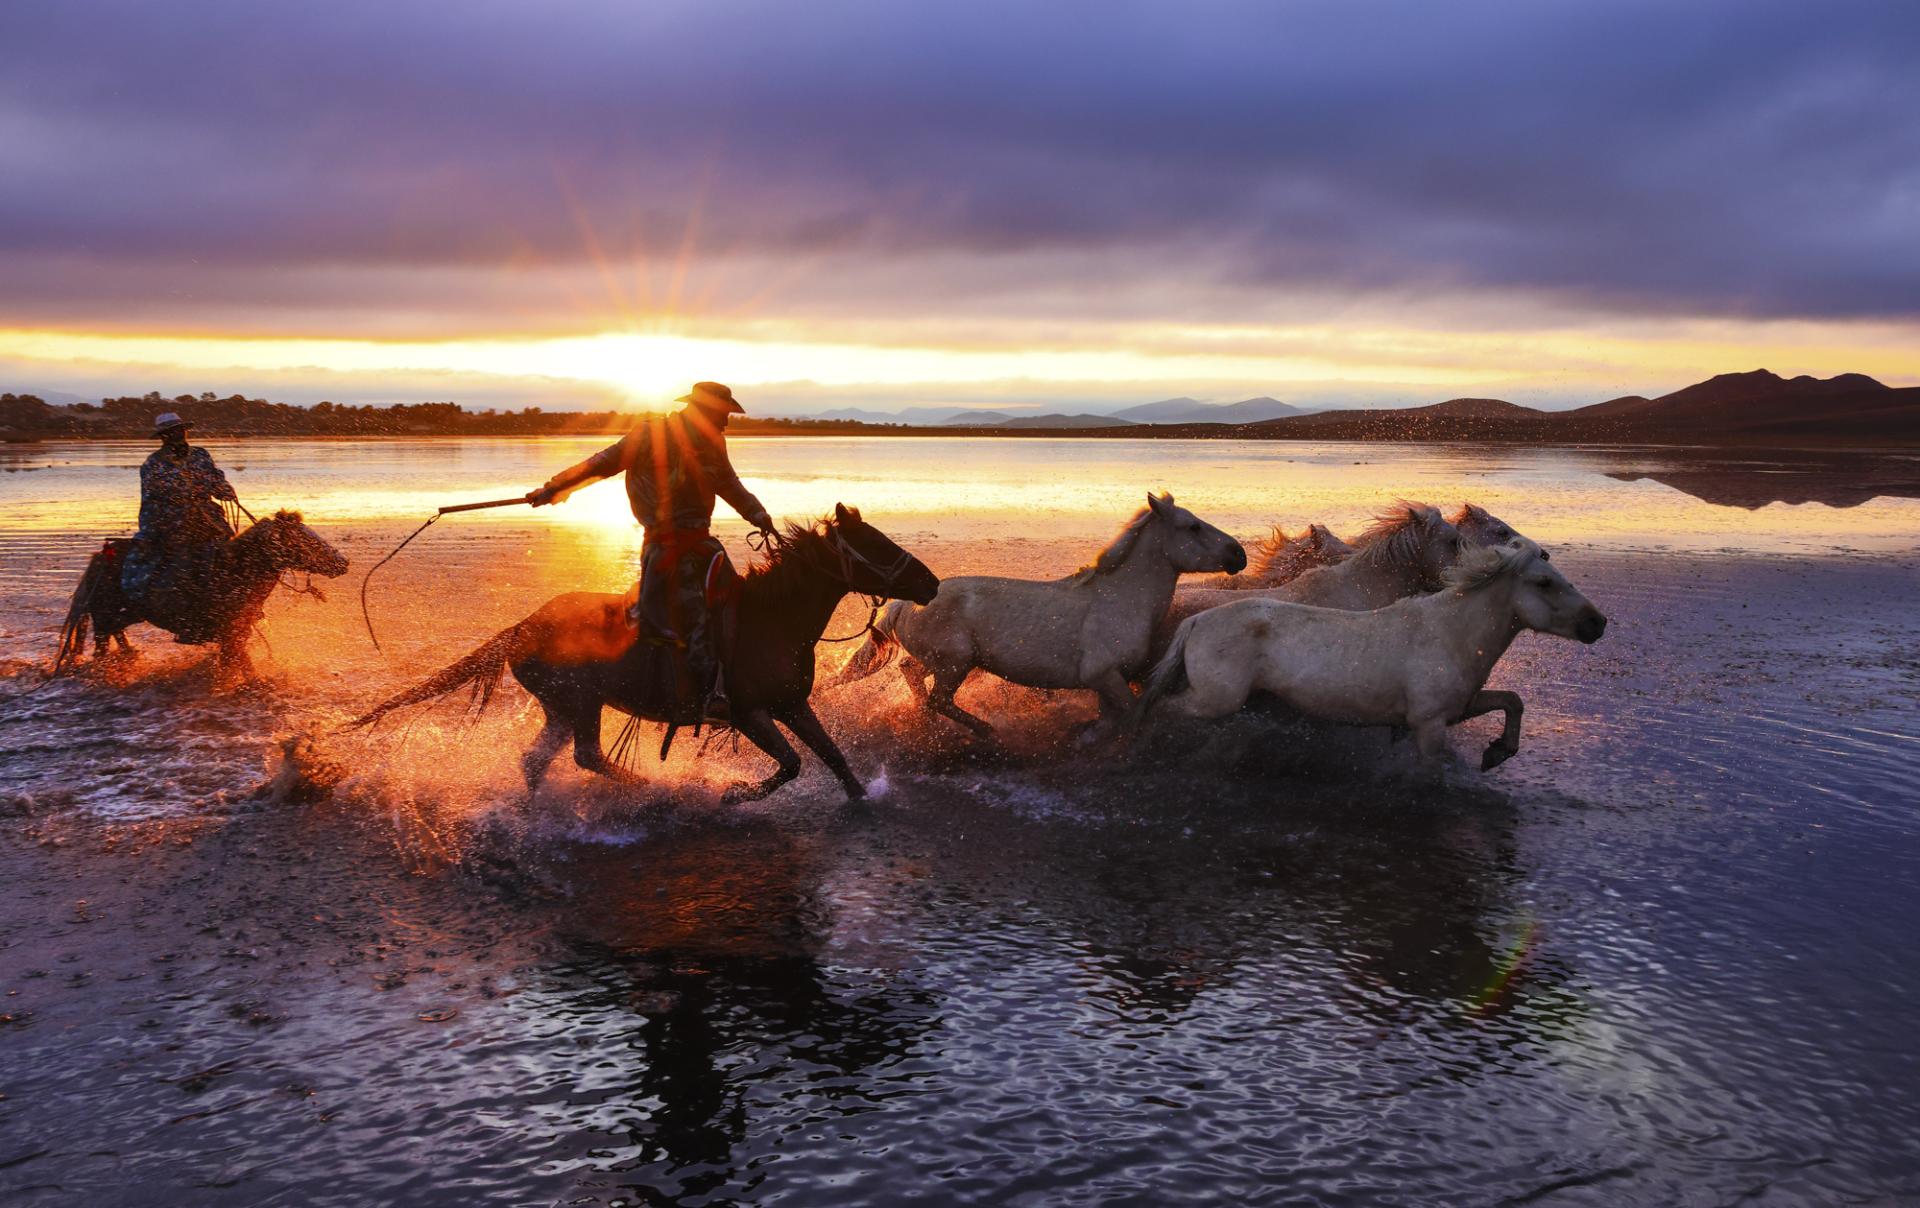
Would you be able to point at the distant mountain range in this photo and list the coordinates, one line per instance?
(1757, 407)
(1193, 411)
(1166, 411)
(1758, 404)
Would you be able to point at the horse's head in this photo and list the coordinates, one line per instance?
(1191, 543)
(291, 545)
(871, 563)
(1544, 600)
(1417, 537)
(1481, 527)
(1323, 546)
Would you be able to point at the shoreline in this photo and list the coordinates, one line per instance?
(1169, 432)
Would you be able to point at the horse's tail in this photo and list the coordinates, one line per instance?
(878, 650)
(73, 630)
(481, 670)
(1168, 676)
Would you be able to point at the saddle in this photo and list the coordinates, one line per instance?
(172, 588)
(664, 683)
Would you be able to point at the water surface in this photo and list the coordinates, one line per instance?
(1665, 955)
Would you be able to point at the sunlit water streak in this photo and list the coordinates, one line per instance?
(1664, 955)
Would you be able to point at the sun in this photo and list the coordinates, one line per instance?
(650, 370)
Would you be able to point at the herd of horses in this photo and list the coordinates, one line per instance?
(1402, 627)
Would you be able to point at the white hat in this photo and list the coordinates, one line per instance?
(166, 422)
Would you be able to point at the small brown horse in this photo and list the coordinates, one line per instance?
(225, 607)
(577, 654)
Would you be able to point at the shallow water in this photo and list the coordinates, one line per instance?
(1665, 955)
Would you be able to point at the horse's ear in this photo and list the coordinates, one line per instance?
(840, 513)
(1159, 503)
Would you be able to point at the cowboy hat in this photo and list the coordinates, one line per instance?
(713, 396)
(166, 422)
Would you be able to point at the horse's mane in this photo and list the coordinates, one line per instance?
(281, 516)
(1279, 553)
(1481, 566)
(1114, 556)
(777, 569)
(1396, 534)
(1266, 551)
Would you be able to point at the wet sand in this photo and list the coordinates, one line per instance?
(1664, 955)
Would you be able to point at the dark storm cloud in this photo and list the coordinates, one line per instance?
(1732, 157)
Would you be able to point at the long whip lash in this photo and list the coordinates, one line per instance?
(445, 511)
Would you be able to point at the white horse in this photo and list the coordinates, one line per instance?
(1405, 553)
(1421, 663)
(1088, 630)
(1482, 527)
(1278, 558)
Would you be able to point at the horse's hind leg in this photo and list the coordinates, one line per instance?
(915, 673)
(762, 733)
(554, 733)
(946, 682)
(586, 743)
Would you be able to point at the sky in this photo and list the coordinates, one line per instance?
(1059, 206)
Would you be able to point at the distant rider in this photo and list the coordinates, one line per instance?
(182, 528)
(675, 466)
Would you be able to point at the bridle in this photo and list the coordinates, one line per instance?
(283, 577)
(846, 559)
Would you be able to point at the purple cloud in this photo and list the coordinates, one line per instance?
(1737, 157)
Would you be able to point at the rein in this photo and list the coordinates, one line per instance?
(848, 558)
(366, 616)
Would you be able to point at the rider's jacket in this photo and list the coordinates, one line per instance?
(675, 466)
(177, 494)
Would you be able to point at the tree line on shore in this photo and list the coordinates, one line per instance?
(27, 416)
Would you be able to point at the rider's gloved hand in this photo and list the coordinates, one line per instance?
(541, 496)
(764, 523)
(225, 491)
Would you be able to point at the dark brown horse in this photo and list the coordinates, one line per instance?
(223, 609)
(577, 653)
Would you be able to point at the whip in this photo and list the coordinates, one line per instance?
(445, 511)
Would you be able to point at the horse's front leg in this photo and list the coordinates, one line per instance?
(760, 730)
(806, 725)
(1507, 745)
(232, 666)
(1116, 703)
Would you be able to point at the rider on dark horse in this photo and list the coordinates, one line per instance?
(182, 528)
(675, 466)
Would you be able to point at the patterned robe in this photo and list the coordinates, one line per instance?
(182, 529)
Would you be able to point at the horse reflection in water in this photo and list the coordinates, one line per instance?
(742, 980)
(577, 655)
(710, 941)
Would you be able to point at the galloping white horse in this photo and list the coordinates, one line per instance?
(1278, 558)
(1088, 630)
(1482, 527)
(1405, 553)
(1421, 663)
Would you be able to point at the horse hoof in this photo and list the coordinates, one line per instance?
(1494, 756)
